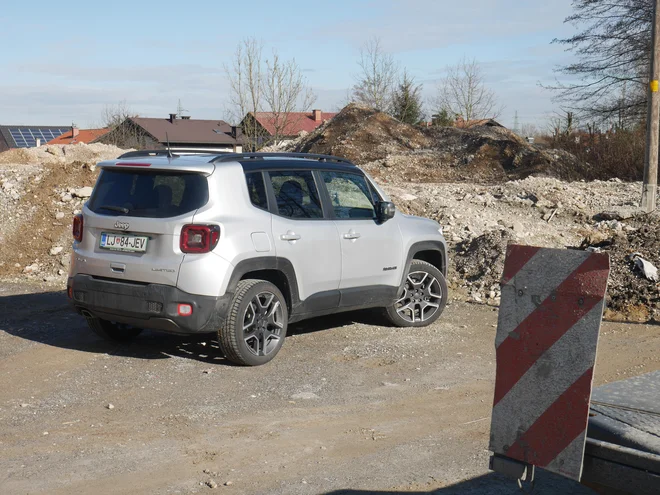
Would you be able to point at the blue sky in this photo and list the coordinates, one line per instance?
(63, 64)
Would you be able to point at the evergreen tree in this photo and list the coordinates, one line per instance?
(442, 119)
(407, 100)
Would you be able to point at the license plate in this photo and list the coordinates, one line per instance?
(123, 242)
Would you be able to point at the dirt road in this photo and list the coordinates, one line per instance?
(348, 406)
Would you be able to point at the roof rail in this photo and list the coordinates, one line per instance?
(164, 152)
(230, 157)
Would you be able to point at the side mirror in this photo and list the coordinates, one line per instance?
(384, 211)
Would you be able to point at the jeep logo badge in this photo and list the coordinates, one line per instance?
(122, 225)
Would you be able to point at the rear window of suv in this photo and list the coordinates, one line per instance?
(154, 194)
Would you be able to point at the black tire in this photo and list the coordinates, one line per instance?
(415, 304)
(109, 330)
(259, 343)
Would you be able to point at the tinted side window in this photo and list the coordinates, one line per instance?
(350, 195)
(257, 189)
(154, 194)
(296, 194)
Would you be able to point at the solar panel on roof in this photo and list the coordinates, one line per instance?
(26, 137)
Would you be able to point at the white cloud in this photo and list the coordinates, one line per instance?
(76, 93)
(430, 24)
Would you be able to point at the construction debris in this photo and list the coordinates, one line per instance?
(479, 217)
(649, 271)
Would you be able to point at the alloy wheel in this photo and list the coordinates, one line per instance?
(262, 323)
(420, 298)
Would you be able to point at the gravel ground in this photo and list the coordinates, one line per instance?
(349, 406)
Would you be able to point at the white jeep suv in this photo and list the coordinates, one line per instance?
(243, 245)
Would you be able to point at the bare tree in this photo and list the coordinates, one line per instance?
(123, 133)
(285, 93)
(529, 130)
(377, 77)
(562, 124)
(612, 55)
(463, 93)
(258, 85)
(114, 114)
(245, 85)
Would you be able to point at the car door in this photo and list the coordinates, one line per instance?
(305, 237)
(371, 252)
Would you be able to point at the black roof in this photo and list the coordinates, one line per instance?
(274, 161)
(232, 157)
(260, 161)
(285, 164)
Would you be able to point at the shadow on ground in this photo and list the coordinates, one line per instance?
(491, 484)
(47, 318)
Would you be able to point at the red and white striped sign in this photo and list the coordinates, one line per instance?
(547, 333)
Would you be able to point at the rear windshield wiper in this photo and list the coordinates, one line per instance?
(120, 209)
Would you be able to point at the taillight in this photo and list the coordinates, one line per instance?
(199, 238)
(78, 228)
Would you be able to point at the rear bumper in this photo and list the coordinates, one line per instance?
(151, 306)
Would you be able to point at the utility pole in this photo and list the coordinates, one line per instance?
(180, 109)
(516, 124)
(653, 119)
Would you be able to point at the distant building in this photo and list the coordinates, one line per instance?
(285, 125)
(28, 136)
(75, 136)
(183, 133)
(466, 124)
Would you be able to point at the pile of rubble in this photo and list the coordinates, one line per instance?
(40, 190)
(61, 154)
(634, 258)
(480, 220)
(391, 150)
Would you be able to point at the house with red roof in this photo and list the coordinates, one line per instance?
(75, 136)
(286, 125)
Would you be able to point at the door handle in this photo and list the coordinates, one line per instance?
(352, 235)
(290, 236)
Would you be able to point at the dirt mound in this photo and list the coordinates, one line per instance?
(489, 153)
(58, 153)
(40, 191)
(37, 206)
(391, 150)
(363, 135)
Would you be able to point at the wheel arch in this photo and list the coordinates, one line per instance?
(278, 271)
(432, 256)
(434, 252)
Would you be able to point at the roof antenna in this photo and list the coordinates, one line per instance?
(169, 151)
